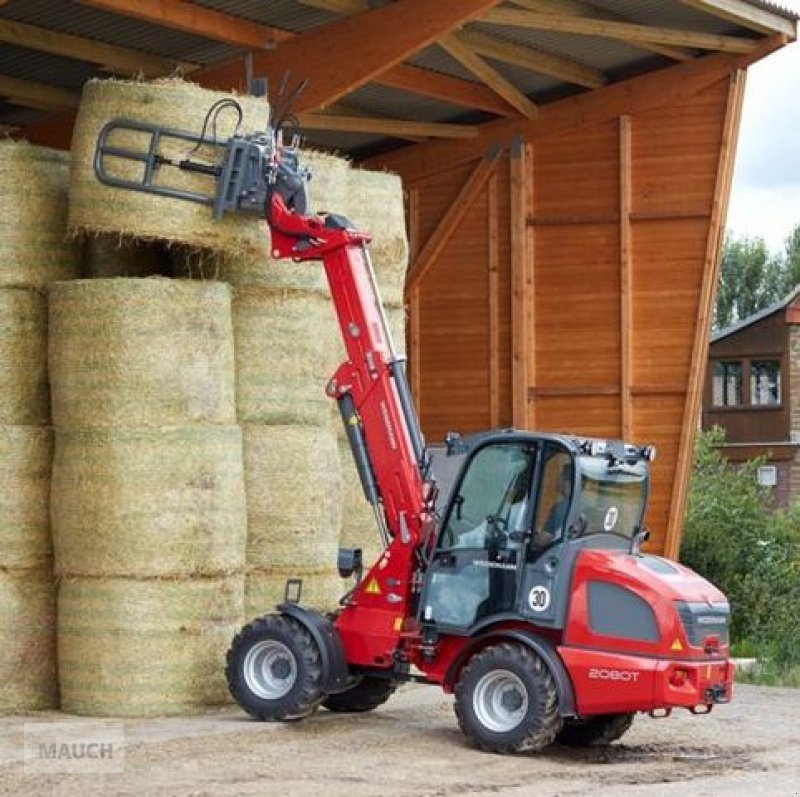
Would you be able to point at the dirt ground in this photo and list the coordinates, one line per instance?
(412, 746)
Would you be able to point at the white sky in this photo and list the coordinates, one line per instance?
(765, 199)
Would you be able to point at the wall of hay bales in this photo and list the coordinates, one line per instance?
(34, 251)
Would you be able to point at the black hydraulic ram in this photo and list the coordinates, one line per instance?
(398, 372)
(355, 436)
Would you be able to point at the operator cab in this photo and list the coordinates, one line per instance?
(521, 508)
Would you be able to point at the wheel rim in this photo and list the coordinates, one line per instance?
(270, 669)
(500, 701)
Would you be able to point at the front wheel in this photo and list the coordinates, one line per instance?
(507, 701)
(594, 731)
(274, 669)
(366, 695)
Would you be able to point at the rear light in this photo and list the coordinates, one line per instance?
(711, 644)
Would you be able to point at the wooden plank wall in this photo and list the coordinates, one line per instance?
(593, 319)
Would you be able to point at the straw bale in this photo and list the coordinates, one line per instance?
(265, 589)
(358, 527)
(33, 216)
(134, 648)
(96, 207)
(293, 487)
(141, 352)
(285, 354)
(116, 256)
(148, 501)
(24, 392)
(27, 640)
(374, 203)
(26, 455)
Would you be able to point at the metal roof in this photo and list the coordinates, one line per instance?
(756, 317)
(613, 57)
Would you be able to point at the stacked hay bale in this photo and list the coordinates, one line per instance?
(147, 498)
(33, 252)
(374, 203)
(286, 350)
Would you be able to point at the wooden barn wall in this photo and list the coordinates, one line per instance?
(594, 321)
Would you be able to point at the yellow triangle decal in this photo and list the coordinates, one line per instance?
(373, 588)
(676, 645)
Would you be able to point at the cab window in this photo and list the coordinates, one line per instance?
(555, 497)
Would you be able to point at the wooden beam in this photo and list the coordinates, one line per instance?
(579, 8)
(444, 87)
(493, 296)
(544, 63)
(626, 278)
(705, 309)
(200, 21)
(745, 14)
(458, 49)
(454, 215)
(412, 300)
(341, 56)
(520, 285)
(33, 94)
(120, 60)
(397, 128)
(636, 95)
(626, 31)
(338, 6)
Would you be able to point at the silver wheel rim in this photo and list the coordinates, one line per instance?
(270, 669)
(500, 701)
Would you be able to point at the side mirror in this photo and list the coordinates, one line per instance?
(639, 539)
(458, 503)
(577, 528)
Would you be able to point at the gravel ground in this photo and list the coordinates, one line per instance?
(412, 746)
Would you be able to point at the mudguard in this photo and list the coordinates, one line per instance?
(335, 673)
(540, 646)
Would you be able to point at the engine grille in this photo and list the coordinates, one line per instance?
(701, 620)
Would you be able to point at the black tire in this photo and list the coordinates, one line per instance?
(594, 731)
(531, 692)
(366, 695)
(274, 669)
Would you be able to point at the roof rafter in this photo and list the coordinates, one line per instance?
(626, 31)
(534, 60)
(241, 33)
(580, 8)
(746, 15)
(456, 47)
(396, 128)
(32, 94)
(111, 57)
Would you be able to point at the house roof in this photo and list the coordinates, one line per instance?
(579, 59)
(756, 317)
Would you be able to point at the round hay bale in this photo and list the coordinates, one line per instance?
(374, 203)
(107, 256)
(293, 487)
(26, 455)
(132, 648)
(96, 207)
(148, 501)
(141, 352)
(285, 355)
(24, 391)
(265, 589)
(358, 528)
(27, 640)
(33, 217)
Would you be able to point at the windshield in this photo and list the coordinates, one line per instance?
(612, 496)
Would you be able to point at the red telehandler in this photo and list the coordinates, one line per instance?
(526, 595)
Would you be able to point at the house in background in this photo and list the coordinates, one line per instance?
(752, 390)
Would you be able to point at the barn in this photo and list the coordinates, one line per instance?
(566, 164)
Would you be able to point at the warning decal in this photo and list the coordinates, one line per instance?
(373, 588)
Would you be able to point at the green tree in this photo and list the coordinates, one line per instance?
(750, 279)
(791, 255)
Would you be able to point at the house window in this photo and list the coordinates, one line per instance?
(768, 476)
(727, 383)
(765, 383)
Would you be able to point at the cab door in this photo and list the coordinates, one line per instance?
(479, 556)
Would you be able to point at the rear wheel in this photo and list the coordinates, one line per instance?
(274, 669)
(366, 695)
(592, 731)
(507, 701)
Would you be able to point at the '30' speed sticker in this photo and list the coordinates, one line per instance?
(539, 599)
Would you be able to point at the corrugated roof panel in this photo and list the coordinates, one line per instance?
(19, 116)
(25, 64)
(285, 14)
(436, 59)
(91, 23)
(394, 103)
(526, 80)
